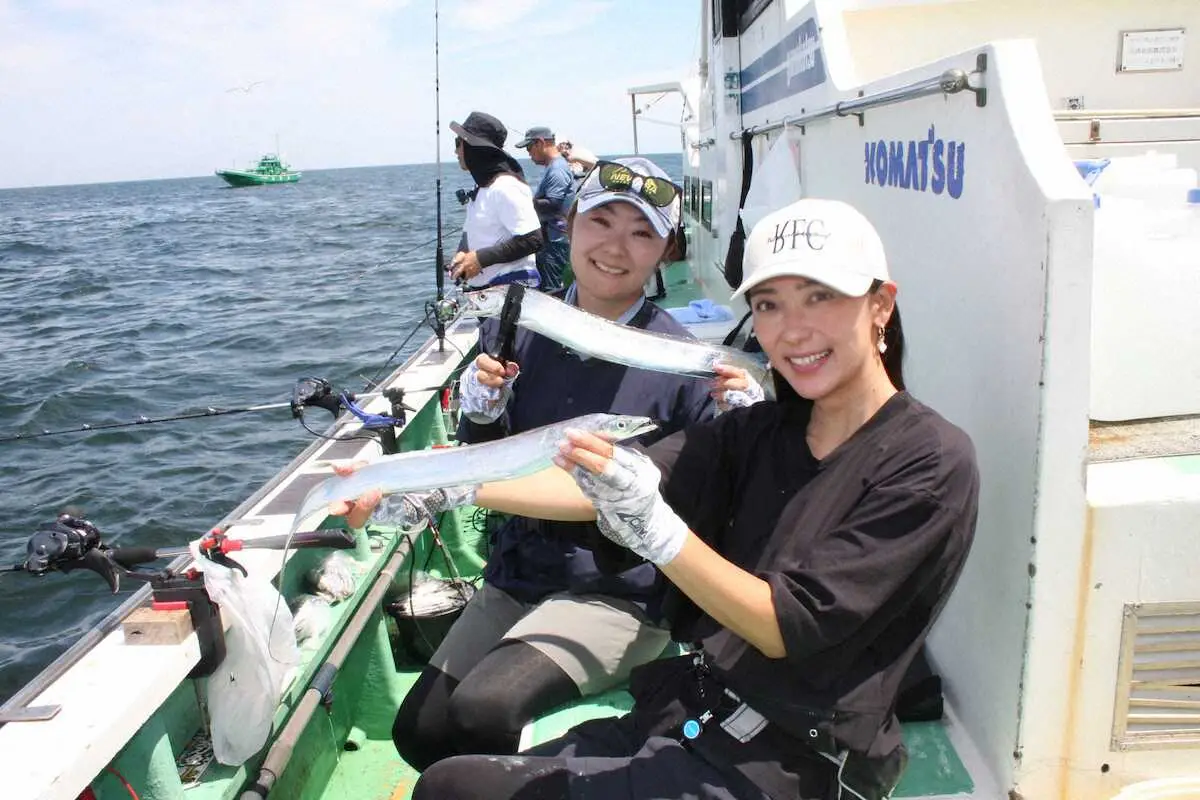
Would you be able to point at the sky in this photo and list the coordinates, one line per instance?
(113, 90)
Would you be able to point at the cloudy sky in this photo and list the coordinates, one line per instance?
(108, 90)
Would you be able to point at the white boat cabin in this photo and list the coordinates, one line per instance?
(1054, 320)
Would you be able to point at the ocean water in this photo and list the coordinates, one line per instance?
(156, 298)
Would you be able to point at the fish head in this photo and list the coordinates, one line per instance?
(619, 427)
(483, 302)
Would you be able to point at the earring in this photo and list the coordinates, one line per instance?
(880, 343)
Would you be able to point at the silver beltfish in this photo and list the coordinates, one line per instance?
(511, 457)
(600, 338)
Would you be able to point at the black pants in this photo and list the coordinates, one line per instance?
(604, 759)
(441, 717)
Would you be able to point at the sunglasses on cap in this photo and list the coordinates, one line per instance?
(614, 177)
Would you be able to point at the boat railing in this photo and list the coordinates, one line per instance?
(1127, 113)
(1167, 125)
(951, 81)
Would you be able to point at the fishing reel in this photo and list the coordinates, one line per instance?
(316, 392)
(444, 310)
(67, 543)
(70, 543)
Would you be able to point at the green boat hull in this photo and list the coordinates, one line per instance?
(239, 178)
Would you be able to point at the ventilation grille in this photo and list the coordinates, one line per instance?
(1158, 687)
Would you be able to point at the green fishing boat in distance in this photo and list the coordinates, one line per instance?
(270, 169)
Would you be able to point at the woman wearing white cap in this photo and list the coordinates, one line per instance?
(810, 543)
(563, 612)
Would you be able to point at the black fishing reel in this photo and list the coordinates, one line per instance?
(316, 392)
(70, 543)
(63, 545)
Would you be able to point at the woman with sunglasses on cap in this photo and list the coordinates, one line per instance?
(810, 542)
(502, 231)
(563, 613)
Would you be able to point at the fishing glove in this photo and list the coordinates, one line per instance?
(740, 398)
(482, 404)
(413, 511)
(629, 509)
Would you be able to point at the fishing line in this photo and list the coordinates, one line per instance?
(399, 257)
(143, 420)
(208, 412)
(433, 320)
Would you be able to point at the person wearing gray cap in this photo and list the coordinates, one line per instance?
(562, 612)
(552, 199)
(501, 232)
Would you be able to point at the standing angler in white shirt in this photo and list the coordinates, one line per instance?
(502, 231)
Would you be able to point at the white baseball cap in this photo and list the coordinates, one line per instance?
(826, 241)
(645, 181)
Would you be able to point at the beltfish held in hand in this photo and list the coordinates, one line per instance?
(600, 338)
(511, 457)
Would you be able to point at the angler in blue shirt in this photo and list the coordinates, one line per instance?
(552, 200)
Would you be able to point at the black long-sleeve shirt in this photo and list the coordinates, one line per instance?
(860, 549)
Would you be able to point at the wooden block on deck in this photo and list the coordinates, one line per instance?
(148, 626)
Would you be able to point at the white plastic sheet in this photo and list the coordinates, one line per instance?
(245, 690)
(776, 180)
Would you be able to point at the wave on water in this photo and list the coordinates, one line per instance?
(13, 249)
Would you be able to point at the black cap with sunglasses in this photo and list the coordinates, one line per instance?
(637, 181)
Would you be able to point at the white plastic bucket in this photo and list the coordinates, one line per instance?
(1163, 789)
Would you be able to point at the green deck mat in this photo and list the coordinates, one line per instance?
(934, 768)
(373, 772)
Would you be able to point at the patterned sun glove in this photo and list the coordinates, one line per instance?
(482, 404)
(413, 511)
(629, 509)
(740, 398)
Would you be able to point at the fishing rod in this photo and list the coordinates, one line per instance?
(311, 392)
(441, 310)
(439, 256)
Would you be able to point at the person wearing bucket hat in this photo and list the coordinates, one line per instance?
(809, 542)
(501, 232)
(562, 612)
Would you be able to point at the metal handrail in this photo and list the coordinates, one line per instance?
(952, 81)
(1131, 113)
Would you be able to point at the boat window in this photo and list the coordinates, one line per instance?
(687, 195)
(696, 197)
(724, 17)
(731, 17)
(706, 197)
(750, 11)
